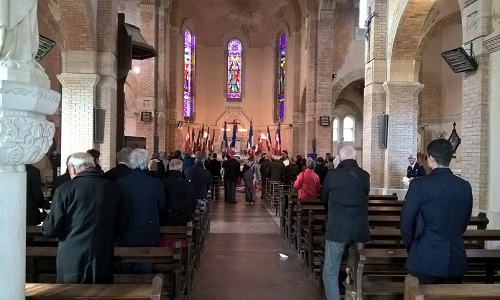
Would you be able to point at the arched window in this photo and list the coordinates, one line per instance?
(189, 72)
(348, 129)
(336, 130)
(279, 114)
(234, 66)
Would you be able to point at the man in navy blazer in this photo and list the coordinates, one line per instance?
(434, 216)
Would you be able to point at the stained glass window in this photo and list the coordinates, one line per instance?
(234, 58)
(280, 80)
(189, 67)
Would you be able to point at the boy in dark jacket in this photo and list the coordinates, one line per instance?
(248, 180)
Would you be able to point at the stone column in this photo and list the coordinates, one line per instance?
(402, 107)
(25, 136)
(476, 104)
(374, 96)
(172, 101)
(77, 122)
(310, 138)
(324, 101)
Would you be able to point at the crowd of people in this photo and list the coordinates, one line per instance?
(92, 211)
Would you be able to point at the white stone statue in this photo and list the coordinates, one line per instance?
(18, 32)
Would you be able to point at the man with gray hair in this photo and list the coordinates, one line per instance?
(345, 194)
(121, 168)
(144, 200)
(180, 195)
(200, 177)
(86, 215)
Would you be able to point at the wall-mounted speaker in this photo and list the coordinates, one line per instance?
(384, 128)
(98, 125)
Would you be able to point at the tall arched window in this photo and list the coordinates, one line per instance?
(335, 130)
(234, 68)
(348, 129)
(279, 111)
(189, 72)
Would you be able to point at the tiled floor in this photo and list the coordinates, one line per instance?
(242, 258)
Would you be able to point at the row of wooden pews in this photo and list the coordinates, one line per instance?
(379, 271)
(176, 263)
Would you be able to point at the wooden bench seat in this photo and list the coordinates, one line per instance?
(152, 291)
(415, 291)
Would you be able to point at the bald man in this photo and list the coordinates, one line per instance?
(345, 194)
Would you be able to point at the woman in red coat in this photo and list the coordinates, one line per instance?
(307, 182)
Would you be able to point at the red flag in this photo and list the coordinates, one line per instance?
(187, 143)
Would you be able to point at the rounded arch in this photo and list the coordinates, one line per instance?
(453, 18)
(281, 28)
(294, 4)
(343, 82)
(357, 113)
(78, 24)
(191, 26)
(235, 34)
(53, 25)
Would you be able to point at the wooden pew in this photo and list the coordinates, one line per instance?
(96, 291)
(415, 291)
(380, 272)
(394, 196)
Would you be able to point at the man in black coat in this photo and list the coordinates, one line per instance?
(180, 195)
(264, 164)
(415, 169)
(214, 166)
(434, 216)
(122, 167)
(276, 170)
(291, 171)
(86, 215)
(321, 169)
(201, 178)
(345, 193)
(231, 175)
(34, 196)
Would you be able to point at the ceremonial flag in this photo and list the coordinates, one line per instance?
(233, 138)
(192, 140)
(223, 146)
(268, 141)
(277, 141)
(250, 137)
(206, 143)
(187, 143)
(211, 142)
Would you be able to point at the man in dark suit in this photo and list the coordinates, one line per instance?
(434, 216)
(414, 169)
(122, 167)
(345, 194)
(34, 195)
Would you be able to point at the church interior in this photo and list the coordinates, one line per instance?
(386, 77)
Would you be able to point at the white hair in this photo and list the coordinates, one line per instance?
(175, 165)
(347, 152)
(310, 163)
(81, 161)
(138, 159)
(199, 157)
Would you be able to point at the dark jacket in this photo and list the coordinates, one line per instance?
(181, 200)
(417, 171)
(117, 172)
(347, 199)
(321, 170)
(434, 216)
(232, 170)
(276, 171)
(201, 179)
(144, 200)
(291, 171)
(214, 166)
(58, 182)
(86, 214)
(263, 169)
(34, 195)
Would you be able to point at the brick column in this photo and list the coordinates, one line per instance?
(402, 107)
(374, 96)
(476, 104)
(78, 103)
(312, 66)
(324, 102)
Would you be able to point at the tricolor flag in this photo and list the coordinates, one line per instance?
(233, 138)
(250, 137)
(223, 146)
(187, 143)
(193, 135)
(268, 141)
(277, 141)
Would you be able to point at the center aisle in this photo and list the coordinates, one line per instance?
(241, 259)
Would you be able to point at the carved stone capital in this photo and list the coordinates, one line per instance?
(402, 88)
(82, 80)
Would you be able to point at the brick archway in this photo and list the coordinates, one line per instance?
(78, 24)
(54, 26)
(343, 82)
